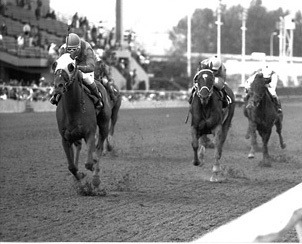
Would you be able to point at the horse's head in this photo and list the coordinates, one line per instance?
(258, 89)
(64, 69)
(204, 81)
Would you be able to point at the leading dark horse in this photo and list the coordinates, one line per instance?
(208, 117)
(77, 118)
(262, 115)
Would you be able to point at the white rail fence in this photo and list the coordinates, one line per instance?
(266, 223)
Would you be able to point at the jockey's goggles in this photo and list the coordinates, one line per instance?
(71, 49)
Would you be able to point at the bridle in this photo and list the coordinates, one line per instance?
(199, 91)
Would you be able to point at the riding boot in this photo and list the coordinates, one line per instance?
(112, 91)
(224, 98)
(94, 90)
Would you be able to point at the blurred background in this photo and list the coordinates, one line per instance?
(153, 47)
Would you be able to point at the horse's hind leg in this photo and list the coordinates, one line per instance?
(278, 130)
(114, 118)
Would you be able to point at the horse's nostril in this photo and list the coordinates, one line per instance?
(60, 85)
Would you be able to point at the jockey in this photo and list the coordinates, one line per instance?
(102, 72)
(219, 70)
(272, 79)
(85, 59)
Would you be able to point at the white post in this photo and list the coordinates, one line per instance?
(189, 44)
(272, 43)
(243, 28)
(219, 23)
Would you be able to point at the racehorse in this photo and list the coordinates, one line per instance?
(262, 115)
(78, 119)
(209, 117)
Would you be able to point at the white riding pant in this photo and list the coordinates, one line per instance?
(88, 78)
(273, 85)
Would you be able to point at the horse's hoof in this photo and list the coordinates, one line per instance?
(217, 179)
(283, 145)
(247, 136)
(96, 181)
(81, 175)
(251, 155)
(196, 163)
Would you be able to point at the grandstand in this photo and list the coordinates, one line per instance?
(32, 62)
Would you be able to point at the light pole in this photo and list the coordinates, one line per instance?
(272, 43)
(243, 28)
(189, 44)
(219, 23)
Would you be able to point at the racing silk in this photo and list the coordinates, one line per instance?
(271, 86)
(85, 59)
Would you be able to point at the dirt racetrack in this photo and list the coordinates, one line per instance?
(154, 193)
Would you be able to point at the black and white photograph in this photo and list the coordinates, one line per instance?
(151, 121)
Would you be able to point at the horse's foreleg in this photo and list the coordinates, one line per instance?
(93, 159)
(70, 158)
(103, 135)
(78, 147)
(253, 136)
(278, 130)
(265, 138)
(196, 161)
(216, 170)
(89, 164)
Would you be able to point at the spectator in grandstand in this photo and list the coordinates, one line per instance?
(53, 15)
(75, 21)
(3, 5)
(3, 29)
(38, 12)
(102, 73)
(271, 78)
(85, 59)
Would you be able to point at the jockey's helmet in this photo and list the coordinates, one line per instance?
(73, 42)
(267, 72)
(216, 63)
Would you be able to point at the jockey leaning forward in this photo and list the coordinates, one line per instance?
(219, 70)
(271, 79)
(85, 59)
(102, 72)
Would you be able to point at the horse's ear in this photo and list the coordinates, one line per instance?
(54, 65)
(70, 67)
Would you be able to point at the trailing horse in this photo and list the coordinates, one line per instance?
(262, 115)
(209, 117)
(78, 119)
